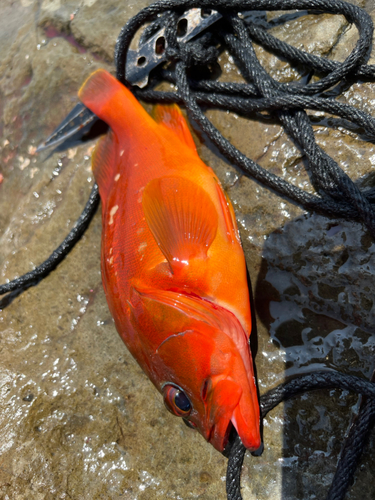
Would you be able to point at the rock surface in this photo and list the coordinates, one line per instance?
(78, 418)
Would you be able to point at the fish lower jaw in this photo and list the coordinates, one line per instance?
(219, 440)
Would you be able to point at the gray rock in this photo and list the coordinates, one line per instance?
(78, 418)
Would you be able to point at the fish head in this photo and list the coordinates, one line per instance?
(200, 361)
(208, 386)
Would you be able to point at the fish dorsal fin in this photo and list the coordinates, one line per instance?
(104, 163)
(171, 117)
(181, 217)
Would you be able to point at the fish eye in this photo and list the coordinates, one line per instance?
(176, 400)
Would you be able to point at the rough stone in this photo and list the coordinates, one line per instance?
(324, 31)
(78, 418)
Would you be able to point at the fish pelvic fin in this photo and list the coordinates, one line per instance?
(170, 116)
(181, 217)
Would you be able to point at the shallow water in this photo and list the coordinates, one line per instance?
(78, 418)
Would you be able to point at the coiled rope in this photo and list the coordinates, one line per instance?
(336, 194)
(355, 441)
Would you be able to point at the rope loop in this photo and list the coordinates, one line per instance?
(354, 445)
(336, 194)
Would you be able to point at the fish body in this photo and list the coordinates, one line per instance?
(173, 267)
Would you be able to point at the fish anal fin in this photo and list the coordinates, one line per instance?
(171, 117)
(181, 217)
(104, 163)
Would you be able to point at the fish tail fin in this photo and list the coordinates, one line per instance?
(170, 116)
(112, 102)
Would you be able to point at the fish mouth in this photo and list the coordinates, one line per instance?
(222, 433)
(219, 437)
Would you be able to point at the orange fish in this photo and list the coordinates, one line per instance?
(173, 268)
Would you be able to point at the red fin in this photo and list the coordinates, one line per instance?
(229, 215)
(181, 217)
(171, 117)
(104, 163)
(99, 90)
(114, 103)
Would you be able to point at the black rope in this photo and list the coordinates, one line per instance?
(61, 251)
(336, 194)
(353, 448)
(354, 444)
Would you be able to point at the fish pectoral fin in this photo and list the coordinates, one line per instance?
(171, 117)
(181, 217)
(104, 163)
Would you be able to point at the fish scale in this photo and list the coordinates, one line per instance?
(168, 235)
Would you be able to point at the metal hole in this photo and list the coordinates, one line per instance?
(182, 27)
(141, 61)
(206, 13)
(160, 45)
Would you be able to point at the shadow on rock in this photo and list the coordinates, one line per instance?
(315, 295)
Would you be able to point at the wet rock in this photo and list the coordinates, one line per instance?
(334, 268)
(324, 32)
(78, 418)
